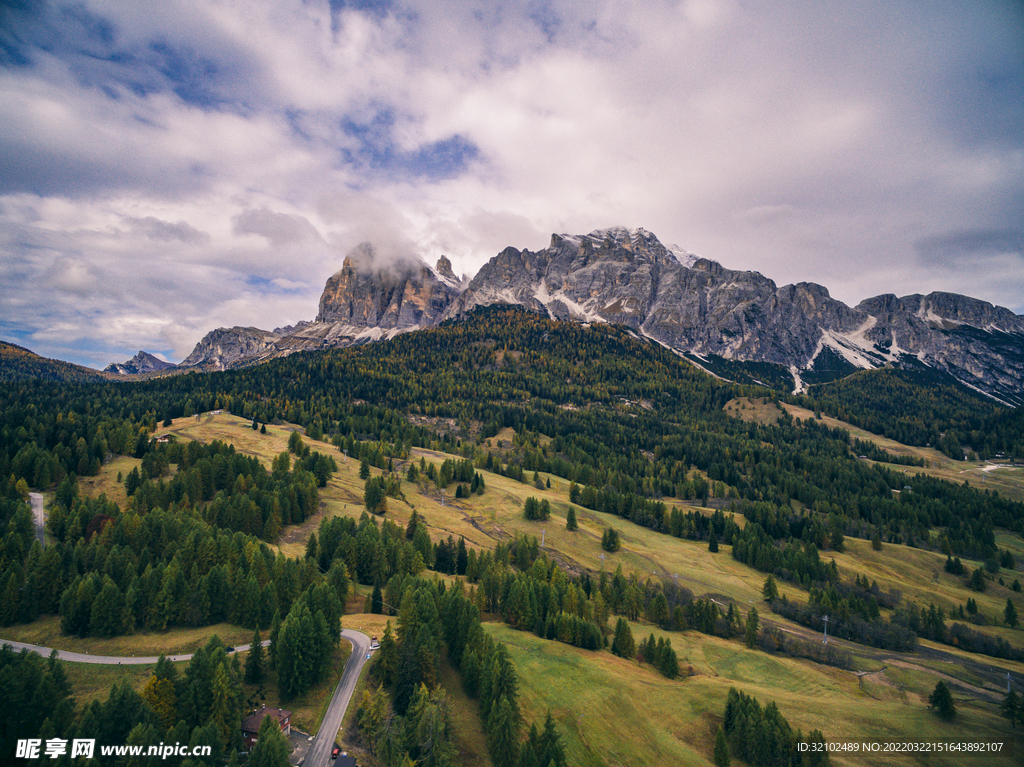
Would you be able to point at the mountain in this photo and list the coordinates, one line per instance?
(692, 305)
(143, 362)
(18, 364)
(364, 301)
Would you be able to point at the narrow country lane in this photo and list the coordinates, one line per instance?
(319, 753)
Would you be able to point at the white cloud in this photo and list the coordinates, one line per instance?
(177, 165)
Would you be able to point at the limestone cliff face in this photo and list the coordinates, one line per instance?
(687, 303)
(400, 297)
(226, 348)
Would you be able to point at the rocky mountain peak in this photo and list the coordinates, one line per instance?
(400, 295)
(444, 268)
(143, 362)
(691, 304)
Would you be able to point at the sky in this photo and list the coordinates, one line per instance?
(171, 167)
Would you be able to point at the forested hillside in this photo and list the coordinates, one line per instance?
(632, 429)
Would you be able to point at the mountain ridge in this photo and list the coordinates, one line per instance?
(143, 362)
(690, 304)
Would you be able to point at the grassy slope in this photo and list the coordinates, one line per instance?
(990, 475)
(630, 714)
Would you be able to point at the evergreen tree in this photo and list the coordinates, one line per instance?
(387, 660)
(275, 634)
(623, 644)
(977, 581)
(503, 734)
(570, 519)
(1010, 614)
(272, 748)
(550, 752)
(770, 590)
(753, 623)
(1011, 708)
(377, 600)
(941, 700)
(713, 543)
(254, 661)
(721, 749)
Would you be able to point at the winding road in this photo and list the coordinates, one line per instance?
(319, 754)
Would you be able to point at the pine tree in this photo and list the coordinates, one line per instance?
(721, 749)
(1011, 708)
(570, 519)
(377, 600)
(550, 752)
(713, 544)
(254, 661)
(272, 748)
(977, 581)
(503, 734)
(942, 701)
(770, 590)
(312, 547)
(753, 623)
(387, 659)
(1010, 614)
(623, 644)
(275, 635)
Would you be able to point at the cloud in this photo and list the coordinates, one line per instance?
(279, 228)
(178, 157)
(973, 244)
(165, 231)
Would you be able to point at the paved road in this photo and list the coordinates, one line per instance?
(319, 754)
(37, 511)
(107, 660)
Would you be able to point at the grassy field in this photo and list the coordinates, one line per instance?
(616, 712)
(177, 641)
(985, 475)
(91, 682)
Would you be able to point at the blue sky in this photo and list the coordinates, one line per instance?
(170, 167)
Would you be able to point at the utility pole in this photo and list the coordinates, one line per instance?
(1008, 678)
(543, 534)
(825, 640)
